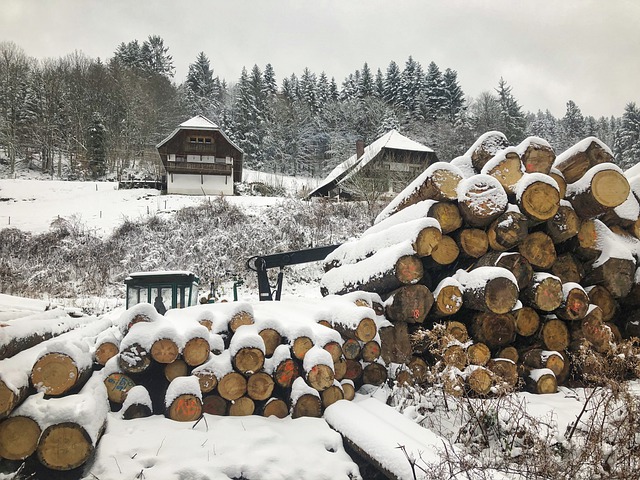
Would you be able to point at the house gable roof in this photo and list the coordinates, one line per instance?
(390, 140)
(199, 122)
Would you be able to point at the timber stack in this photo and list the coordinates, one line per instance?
(501, 265)
(222, 359)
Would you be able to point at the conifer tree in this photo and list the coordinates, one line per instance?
(434, 93)
(454, 104)
(572, 125)
(324, 90)
(392, 85)
(202, 89)
(378, 89)
(269, 80)
(366, 84)
(97, 147)
(412, 85)
(308, 89)
(512, 120)
(628, 137)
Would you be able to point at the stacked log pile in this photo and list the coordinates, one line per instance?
(223, 359)
(501, 263)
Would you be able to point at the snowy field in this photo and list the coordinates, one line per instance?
(233, 447)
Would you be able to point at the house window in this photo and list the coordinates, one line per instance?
(181, 158)
(201, 140)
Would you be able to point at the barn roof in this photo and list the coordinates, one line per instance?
(199, 122)
(391, 140)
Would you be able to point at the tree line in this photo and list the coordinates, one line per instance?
(79, 117)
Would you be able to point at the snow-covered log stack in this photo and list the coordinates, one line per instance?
(535, 258)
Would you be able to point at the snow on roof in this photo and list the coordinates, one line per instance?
(391, 140)
(199, 122)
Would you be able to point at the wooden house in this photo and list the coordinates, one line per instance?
(200, 159)
(390, 163)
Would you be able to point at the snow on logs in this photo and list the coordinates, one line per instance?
(533, 250)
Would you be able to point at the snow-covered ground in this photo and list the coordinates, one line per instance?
(225, 447)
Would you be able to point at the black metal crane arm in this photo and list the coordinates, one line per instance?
(261, 263)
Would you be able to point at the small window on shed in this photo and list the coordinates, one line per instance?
(193, 139)
(207, 141)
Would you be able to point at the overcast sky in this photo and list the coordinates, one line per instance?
(548, 51)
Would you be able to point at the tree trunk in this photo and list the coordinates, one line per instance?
(445, 252)
(575, 302)
(537, 198)
(574, 165)
(364, 329)
(472, 242)
(410, 304)
(185, 408)
(136, 410)
(559, 178)
(196, 351)
(354, 370)
(395, 346)
(607, 188)
(600, 296)
(164, 350)
(485, 148)
(505, 370)
(175, 369)
(133, 358)
(447, 298)
(331, 395)
(232, 386)
(242, 407)
(214, 405)
(538, 158)
(568, 269)
(371, 351)
(487, 289)
(448, 216)
(480, 381)
(351, 349)
(118, 385)
(455, 356)
(478, 354)
(271, 338)
(527, 321)
(541, 381)
(507, 231)
(614, 274)
(300, 346)
(538, 358)
(10, 399)
(239, 319)
(539, 250)
(544, 293)
(275, 407)
(494, 330)
(511, 261)
(555, 335)
(481, 199)
(506, 168)
(248, 360)
(106, 351)
(19, 437)
(260, 386)
(565, 224)
(510, 353)
(57, 373)
(286, 372)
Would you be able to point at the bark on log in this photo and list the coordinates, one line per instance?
(374, 374)
(10, 398)
(364, 329)
(544, 293)
(506, 167)
(19, 437)
(481, 199)
(539, 250)
(577, 160)
(511, 261)
(395, 344)
(603, 189)
(507, 231)
(541, 381)
(564, 225)
(560, 180)
(568, 268)
(614, 274)
(489, 289)
(494, 330)
(600, 296)
(537, 156)
(485, 147)
(410, 304)
(402, 270)
(575, 302)
(447, 298)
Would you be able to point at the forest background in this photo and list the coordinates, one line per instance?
(77, 117)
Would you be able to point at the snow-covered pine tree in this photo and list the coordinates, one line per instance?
(334, 93)
(512, 120)
(393, 85)
(454, 102)
(544, 125)
(412, 85)
(201, 87)
(156, 57)
(97, 147)
(378, 89)
(628, 137)
(269, 80)
(435, 96)
(572, 126)
(323, 90)
(308, 89)
(366, 85)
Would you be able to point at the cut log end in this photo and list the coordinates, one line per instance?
(54, 374)
(196, 351)
(164, 350)
(185, 408)
(105, 352)
(19, 437)
(540, 201)
(64, 446)
(248, 360)
(242, 407)
(307, 406)
(118, 385)
(276, 408)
